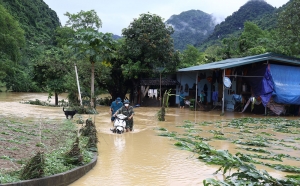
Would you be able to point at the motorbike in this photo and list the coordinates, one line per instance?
(119, 124)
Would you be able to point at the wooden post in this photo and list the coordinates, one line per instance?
(196, 92)
(78, 85)
(223, 99)
(160, 89)
(265, 110)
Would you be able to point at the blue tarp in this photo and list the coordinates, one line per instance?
(261, 83)
(267, 87)
(286, 80)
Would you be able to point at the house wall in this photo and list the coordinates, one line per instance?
(189, 78)
(154, 101)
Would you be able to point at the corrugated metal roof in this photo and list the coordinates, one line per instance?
(234, 62)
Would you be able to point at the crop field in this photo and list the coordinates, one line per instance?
(271, 143)
(21, 140)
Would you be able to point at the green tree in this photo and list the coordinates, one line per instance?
(230, 47)
(250, 36)
(12, 40)
(148, 50)
(11, 36)
(63, 35)
(35, 18)
(88, 43)
(274, 43)
(252, 41)
(116, 83)
(214, 53)
(84, 20)
(148, 45)
(191, 56)
(19, 79)
(51, 69)
(289, 28)
(94, 47)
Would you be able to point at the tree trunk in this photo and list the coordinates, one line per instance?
(56, 98)
(92, 83)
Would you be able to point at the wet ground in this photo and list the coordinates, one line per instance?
(140, 157)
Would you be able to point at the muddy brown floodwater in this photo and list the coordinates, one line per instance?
(140, 157)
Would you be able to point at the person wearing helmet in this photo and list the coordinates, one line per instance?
(128, 111)
(115, 105)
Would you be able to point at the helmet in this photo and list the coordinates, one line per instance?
(126, 101)
(118, 99)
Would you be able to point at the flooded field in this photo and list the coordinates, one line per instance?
(142, 157)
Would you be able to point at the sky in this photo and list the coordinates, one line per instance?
(118, 14)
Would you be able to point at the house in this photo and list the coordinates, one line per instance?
(150, 93)
(270, 79)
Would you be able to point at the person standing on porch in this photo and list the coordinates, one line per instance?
(202, 97)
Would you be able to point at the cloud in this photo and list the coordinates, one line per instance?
(217, 18)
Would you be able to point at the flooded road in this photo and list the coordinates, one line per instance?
(140, 157)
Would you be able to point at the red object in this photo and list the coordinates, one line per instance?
(209, 79)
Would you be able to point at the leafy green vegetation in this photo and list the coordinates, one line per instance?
(89, 44)
(238, 168)
(252, 10)
(148, 46)
(49, 139)
(168, 134)
(256, 150)
(162, 129)
(12, 37)
(36, 19)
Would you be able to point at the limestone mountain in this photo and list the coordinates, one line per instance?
(253, 10)
(191, 27)
(269, 20)
(35, 18)
(116, 37)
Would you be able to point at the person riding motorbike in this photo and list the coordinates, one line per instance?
(128, 111)
(119, 124)
(115, 105)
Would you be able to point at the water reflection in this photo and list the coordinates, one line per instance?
(119, 142)
(140, 157)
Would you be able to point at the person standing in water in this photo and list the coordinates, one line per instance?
(129, 112)
(181, 100)
(115, 105)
